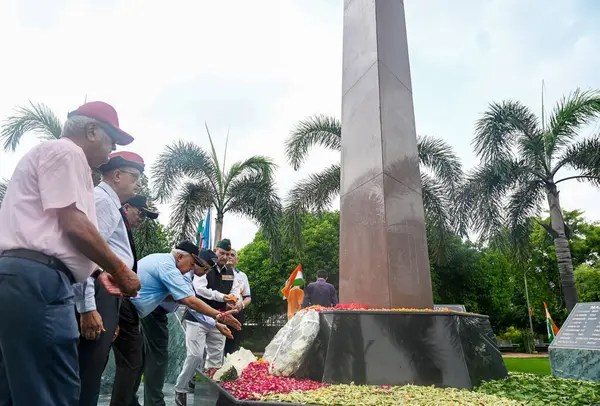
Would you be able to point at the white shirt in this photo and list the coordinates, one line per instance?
(112, 228)
(240, 281)
(241, 286)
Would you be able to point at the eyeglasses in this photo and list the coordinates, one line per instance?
(135, 176)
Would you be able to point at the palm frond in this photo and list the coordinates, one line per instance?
(3, 188)
(496, 132)
(191, 201)
(316, 192)
(484, 191)
(255, 197)
(36, 118)
(570, 114)
(258, 165)
(584, 157)
(317, 130)
(524, 203)
(292, 223)
(437, 217)
(438, 156)
(179, 160)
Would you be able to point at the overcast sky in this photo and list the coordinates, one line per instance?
(260, 66)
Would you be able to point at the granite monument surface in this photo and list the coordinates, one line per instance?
(575, 351)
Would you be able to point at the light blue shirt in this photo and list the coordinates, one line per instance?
(112, 228)
(160, 278)
(171, 307)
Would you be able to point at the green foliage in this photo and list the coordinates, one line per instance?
(320, 251)
(513, 334)
(150, 237)
(537, 390)
(587, 278)
(371, 395)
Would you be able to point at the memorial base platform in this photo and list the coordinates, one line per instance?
(445, 349)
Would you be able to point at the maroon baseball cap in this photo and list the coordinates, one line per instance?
(108, 118)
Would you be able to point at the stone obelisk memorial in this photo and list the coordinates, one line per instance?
(383, 246)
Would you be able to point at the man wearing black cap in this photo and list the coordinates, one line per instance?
(128, 344)
(49, 241)
(162, 278)
(215, 288)
(98, 310)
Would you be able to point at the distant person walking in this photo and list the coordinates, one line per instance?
(320, 293)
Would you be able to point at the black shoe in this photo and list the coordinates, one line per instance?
(180, 399)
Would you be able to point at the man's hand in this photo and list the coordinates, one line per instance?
(228, 319)
(109, 283)
(231, 300)
(127, 281)
(224, 330)
(116, 333)
(91, 325)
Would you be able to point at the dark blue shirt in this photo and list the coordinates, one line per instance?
(320, 293)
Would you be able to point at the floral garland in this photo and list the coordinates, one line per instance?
(358, 306)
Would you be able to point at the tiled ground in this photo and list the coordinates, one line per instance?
(205, 395)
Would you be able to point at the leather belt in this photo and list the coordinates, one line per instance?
(41, 258)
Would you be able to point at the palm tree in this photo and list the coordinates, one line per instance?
(441, 177)
(36, 118)
(245, 188)
(3, 187)
(520, 160)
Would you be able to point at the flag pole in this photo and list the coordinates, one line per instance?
(528, 305)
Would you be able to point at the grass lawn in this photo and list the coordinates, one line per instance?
(538, 366)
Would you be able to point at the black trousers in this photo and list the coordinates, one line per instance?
(155, 328)
(232, 346)
(128, 352)
(93, 354)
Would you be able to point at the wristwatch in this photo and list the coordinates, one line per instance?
(97, 273)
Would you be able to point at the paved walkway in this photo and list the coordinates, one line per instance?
(524, 355)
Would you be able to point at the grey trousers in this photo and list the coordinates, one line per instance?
(155, 328)
(38, 336)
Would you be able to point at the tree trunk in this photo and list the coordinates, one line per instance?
(218, 229)
(561, 244)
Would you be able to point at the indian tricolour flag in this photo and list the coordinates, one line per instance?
(552, 329)
(295, 279)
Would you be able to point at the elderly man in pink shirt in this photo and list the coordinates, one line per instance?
(48, 241)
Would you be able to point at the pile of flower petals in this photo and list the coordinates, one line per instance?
(256, 382)
(358, 306)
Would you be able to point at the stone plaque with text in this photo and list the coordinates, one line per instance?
(581, 329)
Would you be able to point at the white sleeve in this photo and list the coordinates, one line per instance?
(201, 288)
(84, 296)
(246, 290)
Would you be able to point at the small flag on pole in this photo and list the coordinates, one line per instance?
(206, 237)
(199, 233)
(295, 279)
(552, 329)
